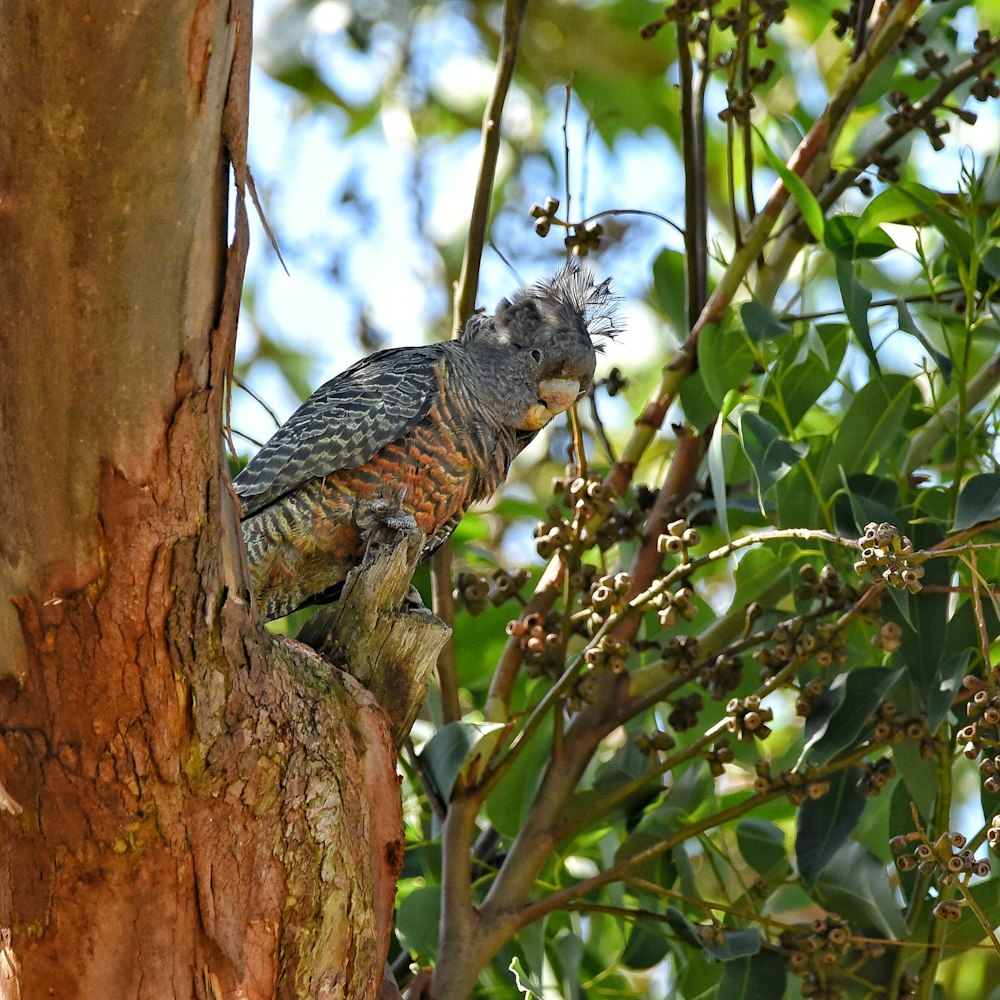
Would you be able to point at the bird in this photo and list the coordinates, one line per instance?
(415, 436)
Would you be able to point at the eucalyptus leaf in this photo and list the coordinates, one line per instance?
(979, 501)
(810, 208)
(763, 976)
(824, 824)
(846, 724)
(855, 885)
(857, 300)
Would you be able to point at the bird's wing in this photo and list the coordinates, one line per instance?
(343, 423)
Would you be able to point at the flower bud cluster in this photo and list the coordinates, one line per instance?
(792, 639)
(680, 656)
(824, 585)
(993, 833)
(891, 727)
(810, 952)
(748, 719)
(798, 785)
(889, 637)
(677, 538)
(888, 554)
(946, 860)
(474, 592)
(655, 742)
(607, 652)
(720, 755)
(540, 641)
(684, 714)
(810, 696)
(721, 675)
(876, 775)
(671, 606)
(986, 85)
(984, 710)
(606, 596)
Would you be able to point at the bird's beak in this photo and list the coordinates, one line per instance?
(554, 396)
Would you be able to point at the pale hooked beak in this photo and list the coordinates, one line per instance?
(554, 396)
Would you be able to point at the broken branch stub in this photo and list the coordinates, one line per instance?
(379, 634)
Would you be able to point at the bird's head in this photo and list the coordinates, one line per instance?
(542, 344)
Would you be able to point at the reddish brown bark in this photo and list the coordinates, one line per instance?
(193, 809)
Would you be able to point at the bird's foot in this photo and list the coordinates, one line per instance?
(383, 520)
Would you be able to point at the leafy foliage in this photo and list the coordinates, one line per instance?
(741, 737)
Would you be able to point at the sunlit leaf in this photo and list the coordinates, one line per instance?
(771, 455)
(846, 238)
(810, 208)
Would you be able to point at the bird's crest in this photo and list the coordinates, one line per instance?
(575, 288)
(571, 296)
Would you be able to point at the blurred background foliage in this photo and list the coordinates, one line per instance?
(849, 377)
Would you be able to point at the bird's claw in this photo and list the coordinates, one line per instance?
(384, 520)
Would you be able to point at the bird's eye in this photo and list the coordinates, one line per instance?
(536, 354)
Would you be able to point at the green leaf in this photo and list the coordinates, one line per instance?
(647, 945)
(845, 238)
(979, 501)
(699, 408)
(566, 956)
(949, 680)
(762, 845)
(796, 187)
(856, 693)
(759, 568)
(891, 205)
(866, 498)
(908, 325)
(450, 747)
(417, 920)
(857, 300)
(724, 360)
(805, 370)
(925, 623)
(771, 455)
(736, 943)
(509, 802)
(930, 204)
(824, 824)
(669, 279)
(868, 429)
(920, 779)
(760, 323)
(855, 884)
(525, 981)
(757, 977)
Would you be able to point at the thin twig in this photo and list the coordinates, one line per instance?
(468, 282)
(264, 406)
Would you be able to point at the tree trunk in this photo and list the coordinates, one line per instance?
(188, 808)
